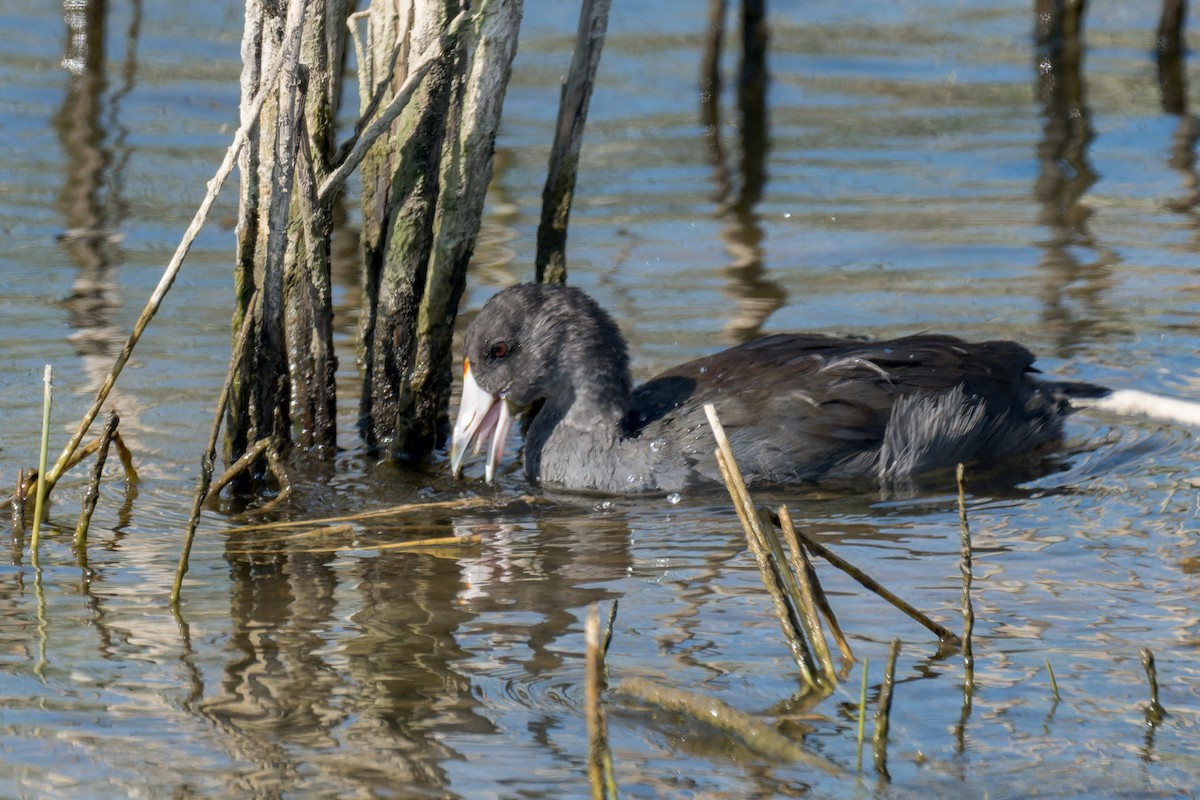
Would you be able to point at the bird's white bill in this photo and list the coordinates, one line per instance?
(480, 415)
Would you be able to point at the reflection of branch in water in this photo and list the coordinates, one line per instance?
(91, 200)
(752, 105)
(82, 136)
(1172, 82)
(1065, 176)
(756, 297)
(1168, 44)
(121, 151)
(277, 690)
(710, 99)
(406, 664)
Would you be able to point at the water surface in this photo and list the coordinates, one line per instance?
(917, 177)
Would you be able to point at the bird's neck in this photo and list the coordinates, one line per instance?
(596, 399)
(583, 434)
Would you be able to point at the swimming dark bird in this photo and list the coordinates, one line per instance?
(798, 408)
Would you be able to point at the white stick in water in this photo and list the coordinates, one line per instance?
(1131, 402)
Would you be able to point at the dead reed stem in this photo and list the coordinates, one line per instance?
(92, 494)
(244, 462)
(942, 632)
(608, 626)
(884, 710)
(808, 605)
(968, 610)
(126, 457)
(42, 484)
(29, 481)
(770, 569)
(172, 271)
(550, 261)
(19, 498)
(1154, 712)
(356, 149)
(801, 616)
(822, 601)
(600, 765)
(208, 458)
(826, 609)
(282, 478)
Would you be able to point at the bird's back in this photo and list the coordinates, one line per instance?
(802, 408)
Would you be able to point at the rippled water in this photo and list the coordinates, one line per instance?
(915, 180)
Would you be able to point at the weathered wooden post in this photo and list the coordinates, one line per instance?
(285, 391)
(431, 104)
(423, 190)
(399, 202)
(559, 192)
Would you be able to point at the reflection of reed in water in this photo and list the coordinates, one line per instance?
(92, 197)
(1064, 178)
(756, 296)
(277, 687)
(1172, 82)
(431, 645)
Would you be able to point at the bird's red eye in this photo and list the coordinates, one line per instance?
(499, 349)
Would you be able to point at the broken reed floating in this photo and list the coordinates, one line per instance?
(746, 729)
(403, 508)
(600, 763)
(329, 527)
(883, 711)
(968, 610)
(432, 546)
